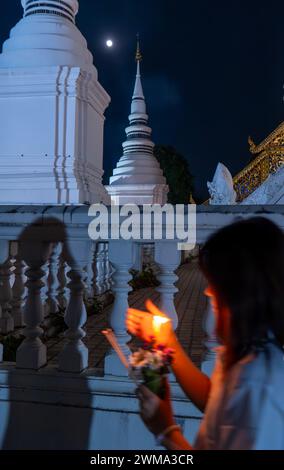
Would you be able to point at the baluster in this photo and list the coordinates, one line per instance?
(107, 268)
(31, 354)
(13, 253)
(52, 280)
(211, 342)
(99, 265)
(62, 291)
(18, 291)
(90, 281)
(167, 257)
(44, 290)
(74, 357)
(121, 257)
(6, 321)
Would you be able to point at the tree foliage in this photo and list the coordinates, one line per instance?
(177, 173)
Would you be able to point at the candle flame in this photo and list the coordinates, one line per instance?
(158, 321)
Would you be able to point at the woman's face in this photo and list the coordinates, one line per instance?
(222, 315)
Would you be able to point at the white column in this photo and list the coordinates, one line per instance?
(121, 257)
(31, 354)
(167, 257)
(6, 321)
(74, 357)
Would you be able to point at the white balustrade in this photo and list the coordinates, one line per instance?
(107, 269)
(62, 291)
(74, 357)
(121, 257)
(44, 290)
(23, 305)
(31, 354)
(13, 254)
(90, 281)
(52, 279)
(167, 258)
(99, 269)
(18, 291)
(6, 321)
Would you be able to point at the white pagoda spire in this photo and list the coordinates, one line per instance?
(138, 177)
(138, 105)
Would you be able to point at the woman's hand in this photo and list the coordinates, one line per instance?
(157, 414)
(140, 323)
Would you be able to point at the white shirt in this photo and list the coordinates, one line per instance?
(245, 409)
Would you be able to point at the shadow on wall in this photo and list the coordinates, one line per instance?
(36, 426)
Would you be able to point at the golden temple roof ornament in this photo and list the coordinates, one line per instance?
(252, 145)
(268, 158)
(138, 56)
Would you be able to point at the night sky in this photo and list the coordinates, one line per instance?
(213, 73)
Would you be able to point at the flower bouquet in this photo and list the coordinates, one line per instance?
(149, 366)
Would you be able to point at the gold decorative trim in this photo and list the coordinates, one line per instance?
(257, 171)
(269, 157)
(277, 134)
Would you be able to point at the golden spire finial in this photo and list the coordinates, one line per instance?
(138, 56)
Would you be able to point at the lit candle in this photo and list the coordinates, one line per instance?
(158, 323)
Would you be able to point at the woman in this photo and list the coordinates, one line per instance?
(244, 399)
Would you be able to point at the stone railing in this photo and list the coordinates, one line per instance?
(45, 269)
(48, 262)
(54, 292)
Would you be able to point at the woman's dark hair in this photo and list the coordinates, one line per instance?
(244, 263)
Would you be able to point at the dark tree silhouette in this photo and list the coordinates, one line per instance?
(176, 172)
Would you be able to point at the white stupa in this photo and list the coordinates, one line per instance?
(138, 178)
(51, 110)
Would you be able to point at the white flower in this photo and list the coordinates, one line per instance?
(144, 358)
(140, 358)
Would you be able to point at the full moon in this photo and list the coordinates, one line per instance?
(109, 43)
